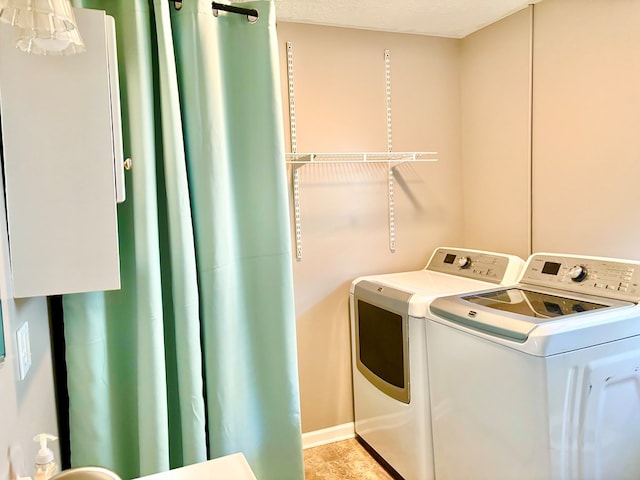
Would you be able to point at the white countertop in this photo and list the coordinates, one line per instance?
(230, 467)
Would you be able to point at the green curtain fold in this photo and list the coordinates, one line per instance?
(242, 232)
(206, 305)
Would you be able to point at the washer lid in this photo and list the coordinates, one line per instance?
(513, 313)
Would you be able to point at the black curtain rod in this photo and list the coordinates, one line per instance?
(251, 13)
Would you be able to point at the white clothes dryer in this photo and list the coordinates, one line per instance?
(540, 380)
(389, 358)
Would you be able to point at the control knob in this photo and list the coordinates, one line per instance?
(464, 262)
(577, 273)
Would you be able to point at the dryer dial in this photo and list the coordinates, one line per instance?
(464, 262)
(577, 273)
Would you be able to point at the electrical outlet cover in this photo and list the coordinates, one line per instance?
(24, 350)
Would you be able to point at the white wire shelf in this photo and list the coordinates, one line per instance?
(360, 157)
(389, 158)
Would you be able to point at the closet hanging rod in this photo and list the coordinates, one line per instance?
(251, 13)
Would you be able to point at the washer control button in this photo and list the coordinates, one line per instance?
(464, 262)
(577, 273)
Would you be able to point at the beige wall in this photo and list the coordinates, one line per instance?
(586, 127)
(585, 102)
(495, 92)
(340, 107)
(27, 407)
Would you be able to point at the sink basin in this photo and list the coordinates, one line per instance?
(86, 473)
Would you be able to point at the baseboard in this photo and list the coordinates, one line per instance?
(328, 435)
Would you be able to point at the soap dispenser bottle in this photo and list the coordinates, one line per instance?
(45, 465)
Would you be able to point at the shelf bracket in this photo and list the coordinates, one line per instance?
(294, 148)
(390, 179)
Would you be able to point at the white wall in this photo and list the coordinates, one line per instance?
(339, 85)
(27, 407)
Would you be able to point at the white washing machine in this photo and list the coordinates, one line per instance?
(540, 380)
(389, 358)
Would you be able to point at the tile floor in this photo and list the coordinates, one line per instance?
(345, 460)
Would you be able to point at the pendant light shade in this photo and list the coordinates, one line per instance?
(44, 27)
(63, 43)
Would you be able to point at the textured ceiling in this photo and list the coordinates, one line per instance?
(443, 18)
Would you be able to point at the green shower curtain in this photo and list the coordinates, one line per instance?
(194, 357)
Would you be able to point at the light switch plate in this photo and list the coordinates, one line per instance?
(24, 350)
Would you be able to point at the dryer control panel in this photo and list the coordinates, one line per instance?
(476, 264)
(605, 277)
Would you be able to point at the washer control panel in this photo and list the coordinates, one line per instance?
(476, 264)
(606, 277)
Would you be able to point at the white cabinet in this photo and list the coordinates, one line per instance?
(62, 152)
